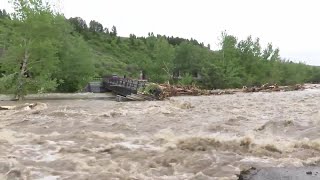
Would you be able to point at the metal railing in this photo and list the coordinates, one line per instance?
(132, 84)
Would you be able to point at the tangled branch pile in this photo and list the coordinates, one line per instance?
(168, 90)
(270, 88)
(163, 91)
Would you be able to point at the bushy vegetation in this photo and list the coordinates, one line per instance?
(42, 51)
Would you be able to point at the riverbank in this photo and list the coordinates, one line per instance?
(173, 92)
(57, 96)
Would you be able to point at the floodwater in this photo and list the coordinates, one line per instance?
(196, 138)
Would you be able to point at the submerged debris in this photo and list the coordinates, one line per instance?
(298, 173)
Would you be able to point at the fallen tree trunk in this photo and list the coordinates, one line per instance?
(7, 107)
(18, 107)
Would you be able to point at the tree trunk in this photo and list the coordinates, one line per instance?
(20, 91)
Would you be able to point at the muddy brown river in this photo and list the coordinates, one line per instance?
(196, 138)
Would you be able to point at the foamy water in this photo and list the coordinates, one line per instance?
(205, 137)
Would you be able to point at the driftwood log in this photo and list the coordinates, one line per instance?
(18, 107)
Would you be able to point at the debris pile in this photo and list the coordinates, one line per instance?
(163, 91)
(154, 91)
(226, 91)
(168, 90)
(271, 88)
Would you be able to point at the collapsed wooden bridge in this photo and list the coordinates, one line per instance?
(122, 87)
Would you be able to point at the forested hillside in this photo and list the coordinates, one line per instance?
(237, 63)
(41, 51)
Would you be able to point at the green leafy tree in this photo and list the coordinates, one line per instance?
(114, 32)
(267, 53)
(161, 67)
(42, 52)
(79, 24)
(33, 48)
(76, 66)
(187, 79)
(314, 75)
(4, 14)
(230, 66)
(211, 76)
(188, 58)
(95, 26)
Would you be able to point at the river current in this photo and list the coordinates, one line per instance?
(196, 138)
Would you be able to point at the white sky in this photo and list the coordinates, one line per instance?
(291, 25)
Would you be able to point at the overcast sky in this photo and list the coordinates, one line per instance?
(291, 25)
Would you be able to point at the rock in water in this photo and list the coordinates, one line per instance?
(301, 173)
